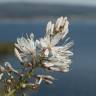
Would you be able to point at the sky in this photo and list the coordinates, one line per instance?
(79, 2)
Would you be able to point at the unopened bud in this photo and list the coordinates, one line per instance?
(23, 85)
(2, 69)
(9, 81)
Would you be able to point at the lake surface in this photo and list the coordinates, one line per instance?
(81, 80)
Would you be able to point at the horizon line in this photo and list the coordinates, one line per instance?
(56, 3)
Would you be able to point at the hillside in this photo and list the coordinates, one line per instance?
(29, 10)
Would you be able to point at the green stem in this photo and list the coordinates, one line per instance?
(22, 81)
(12, 93)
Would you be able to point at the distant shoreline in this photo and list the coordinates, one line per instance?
(23, 12)
(46, 19)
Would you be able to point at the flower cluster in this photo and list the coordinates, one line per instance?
(51, 52)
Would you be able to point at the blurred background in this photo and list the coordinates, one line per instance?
(18, 17)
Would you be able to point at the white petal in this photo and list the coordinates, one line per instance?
(68, 45)
(65, 70)
(49, 77)
(56, 39)
(69, 53)
(59, 22)
(31, 36)
(48, 64)
(65, 29)
(52, 29)
(54, 69)
(18, 54)
(48, 81)
(46, 77)
(43, 43)
(48, 28)
(46, 53)
(39, 82)
(38, 44)
(63, 21)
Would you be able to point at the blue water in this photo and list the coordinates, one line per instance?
(81, 80)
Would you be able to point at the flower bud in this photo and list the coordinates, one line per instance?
(23, 85)
(9, 81)
(1, 75)
(2, 69)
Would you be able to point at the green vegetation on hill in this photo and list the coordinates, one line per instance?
(6, 48)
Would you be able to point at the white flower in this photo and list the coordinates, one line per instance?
(61, 27)
(60, 59)
(58, 56)
(52, 37)
(26, 49)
